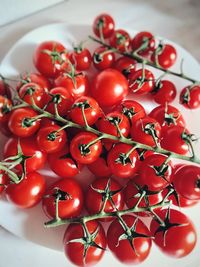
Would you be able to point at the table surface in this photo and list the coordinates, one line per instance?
(177, 20)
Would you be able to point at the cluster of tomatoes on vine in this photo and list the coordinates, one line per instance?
(63, 117)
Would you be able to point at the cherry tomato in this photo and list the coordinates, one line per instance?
(164, 92)
(51, 139)
(125, 65)
(32, 77)
(80, 150)
(120, 39)
(49, 57)
(63, 164)
(121, 165)
(36, 158)
(4, 180)
(28, 192)
(130, 247)
(70, 199)
(139, 39)
(5, 108)
(141, 82)
(190, 97)
(22, 122)
(176, 225)
(77, 243)
(5, 89)
(166, 56)
(81, 58)
(109, 87)
(104, 190)
(100, 167)
(103, 26)
(146, 131)
(91, 108)
(103, 58)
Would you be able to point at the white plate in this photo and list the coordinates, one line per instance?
(28, 224)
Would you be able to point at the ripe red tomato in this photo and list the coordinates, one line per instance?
(81, 58)
(131, 247)
(5, 108)
(91, 109)
(28, 192)
(190, 97)
(70, 199)
(49, 57)
(125, 65)
(120, 39)
(121, 165)
(103, 26)
(141, 82)
(176, 225)
(166, 56)
(22, 122)
(164, 92)
(80, 151)
(97, 193)
(100, 167)
(36, 158)
(63, 164)
(109, 87)
(77, 86)
(74, 250)
(187, 182)
(103, 58)
(51, 139)
(139, 39)
(144, 129)
(152, 175)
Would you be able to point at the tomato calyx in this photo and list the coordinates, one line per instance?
(161, 170)
(185, 98)
(82, 105)
(61, 195)
(149, 129)
(128, 112)
(55, 55)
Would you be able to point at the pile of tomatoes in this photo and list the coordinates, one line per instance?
(77, 111)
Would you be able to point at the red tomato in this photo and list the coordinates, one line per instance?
(81, 58)
(164, 92)
(5, 89)
(28, 192)
(4, 180)
(125, 65)
(120, 39)
(121, 165)
(130, 247)
(77, 86)
(144, 129)
(100, 167)
(80, 151)
(70, 199)
(190, 97)
(103, 26)
(103, 58)
(139, 39)
(51, 139)
(74, 250)
(35, 157)
(91, 109)
(5, 108)
(109, 87)
(141, 82)
(166, 56)
(176, 225)
(152, 175)
(97, 192)
(63, 164)
(49, 57)
(22, 122)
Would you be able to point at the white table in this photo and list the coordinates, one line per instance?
(175, 20)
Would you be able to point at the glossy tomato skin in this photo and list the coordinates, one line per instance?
(187, 182)
(5, 108)
(120, 166)
(103, 58)
(190, 97)
(77, 87)
(93, 200)
(164, 92)
(91, 109)
(68, 207)
(109, 87)
(36, 157)
(140, 131)
(100, 167)
(18, 122)
(122, 249)
(81, 58)
(48, 58)
(166, 56)
(107, 24)
(139, 39)
(74, 251)
(185, 232)
(28, 192)
(149, 173)
(120, 39)
(82, 139)
(63, 164)
(139, 84)
(125, 65)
